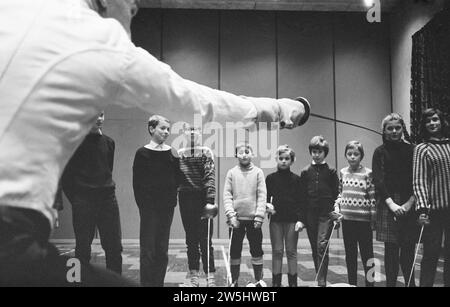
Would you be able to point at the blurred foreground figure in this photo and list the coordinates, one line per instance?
(61, 63)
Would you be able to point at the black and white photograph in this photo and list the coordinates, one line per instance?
(212, 146)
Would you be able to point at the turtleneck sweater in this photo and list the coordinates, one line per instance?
(283, 188)
(392, 171)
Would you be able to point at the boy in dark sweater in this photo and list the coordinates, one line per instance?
(320, 188)
(287, 217)
(155, 181)
(88, 184)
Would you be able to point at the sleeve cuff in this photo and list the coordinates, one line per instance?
(422, 210)
(268, 110)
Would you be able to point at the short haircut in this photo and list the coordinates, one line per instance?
(319, 142)
(285, 149)
(354, 145)
(424, 135)
(243, 145)
(154, 121)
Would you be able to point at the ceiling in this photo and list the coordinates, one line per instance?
(283, 5)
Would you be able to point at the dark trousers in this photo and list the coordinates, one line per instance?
(432, 243)
(97, 208)
(254, 237)
(28, 259)
(396, 255)
(197, 237)
(357, 233)
(283, 234)
(154, 243)
(319, 226)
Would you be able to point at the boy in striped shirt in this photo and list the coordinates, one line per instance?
(197, 190)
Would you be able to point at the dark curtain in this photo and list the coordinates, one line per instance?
(430, 69)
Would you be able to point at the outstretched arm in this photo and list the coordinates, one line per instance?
(153, 86)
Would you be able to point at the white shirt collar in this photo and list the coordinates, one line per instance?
(158, 147)
(314, 162)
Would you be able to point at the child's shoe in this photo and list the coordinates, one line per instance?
(258, 271)
(235, 268)
(194, 279)
(292, 279)
(276, 280)
(210, 280)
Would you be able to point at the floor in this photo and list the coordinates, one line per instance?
(177, 269)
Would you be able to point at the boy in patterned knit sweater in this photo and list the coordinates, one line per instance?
(357, 204)
(196, 190)
(244, 201)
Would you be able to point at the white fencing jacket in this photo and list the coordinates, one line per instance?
(60, 65)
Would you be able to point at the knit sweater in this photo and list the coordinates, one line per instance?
(91, 165)
(356, 194)
(155, 178)
(245, 194)
(319, 186)
(283, 187)
(431, 175)
(198, 171)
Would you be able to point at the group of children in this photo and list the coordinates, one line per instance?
(314, 200)
(318, 199)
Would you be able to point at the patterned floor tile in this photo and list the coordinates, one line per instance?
(177, 270)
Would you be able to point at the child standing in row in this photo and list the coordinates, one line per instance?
(432, 190)
(197, 190)
(156, 175)
(396, 225)
(319, 185)
(244, 201)
(287, 217)
(357, 204)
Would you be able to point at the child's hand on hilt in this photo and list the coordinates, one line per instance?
(257, 224)
(270, 209)
(424, 219)
(233, 222)
(210, 211)
(336, 217)
(299, 226)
